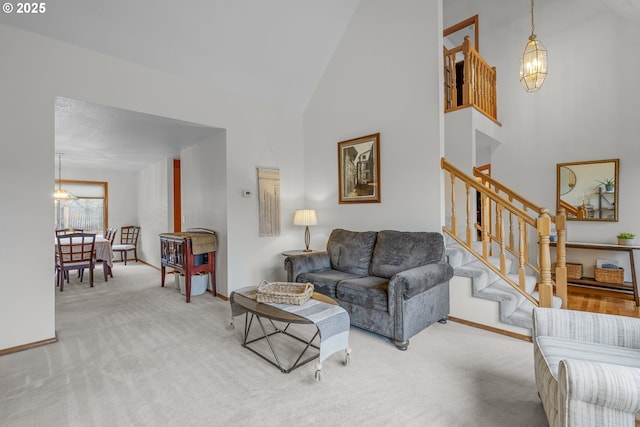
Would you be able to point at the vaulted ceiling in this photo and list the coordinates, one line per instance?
(273, 51)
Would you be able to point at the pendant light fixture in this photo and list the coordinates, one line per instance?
(61, 194)
(533, 64)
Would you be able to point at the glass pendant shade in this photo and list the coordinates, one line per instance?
(533, 65)
(62, 195)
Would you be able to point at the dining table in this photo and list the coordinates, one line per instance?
(103, 252)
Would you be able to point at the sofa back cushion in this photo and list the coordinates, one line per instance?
(396, 251)
(350, 251)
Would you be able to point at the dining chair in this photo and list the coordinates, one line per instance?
(75, 252)
(68, 231)
(128, 242)
(110, 235)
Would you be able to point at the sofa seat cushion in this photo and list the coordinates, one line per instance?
(350, 251)
(325, 281)
(370, 292)
(397, 251)
(556, 349)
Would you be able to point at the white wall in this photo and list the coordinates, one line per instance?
(35, 71)
(204, 193)
(155, 188)
(384, 77)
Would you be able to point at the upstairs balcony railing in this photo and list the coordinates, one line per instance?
(509, 226)
(469, 82)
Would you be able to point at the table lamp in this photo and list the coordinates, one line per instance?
(305, 217)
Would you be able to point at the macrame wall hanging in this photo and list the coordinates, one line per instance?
(269, 199)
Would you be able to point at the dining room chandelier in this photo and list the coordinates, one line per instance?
(533, 63)
(59, 193)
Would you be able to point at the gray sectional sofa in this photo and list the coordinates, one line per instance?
(392, 283)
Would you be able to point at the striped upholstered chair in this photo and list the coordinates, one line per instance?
(587, 367)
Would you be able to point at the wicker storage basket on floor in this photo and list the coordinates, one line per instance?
(574, 270)
(609, 275)
(284, 292)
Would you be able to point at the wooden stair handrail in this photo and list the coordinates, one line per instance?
(483, 189)
(577, 211)
(496, 185)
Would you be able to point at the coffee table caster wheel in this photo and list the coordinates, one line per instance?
(318, 374)
(347, 357)
(231, 326)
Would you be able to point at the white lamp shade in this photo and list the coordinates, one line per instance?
(305, 217)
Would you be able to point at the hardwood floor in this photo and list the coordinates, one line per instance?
(601, 301)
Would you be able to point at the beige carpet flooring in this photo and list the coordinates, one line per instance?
(131, 353)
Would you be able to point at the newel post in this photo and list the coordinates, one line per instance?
(545, 286)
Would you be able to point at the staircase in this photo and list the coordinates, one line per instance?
(501, 257)
(514, 311)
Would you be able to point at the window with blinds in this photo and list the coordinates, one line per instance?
(86, 209)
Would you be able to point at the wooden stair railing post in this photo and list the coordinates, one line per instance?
(561, 257)
(466, 84)
(522, 274)
(527, 256)
(511, 235)
(486, 224)
(469, 223)
(447, 79)
(498, 227)
(500, 231)
(451, 96)
(494, 97)
(453, 204)
(545, 287)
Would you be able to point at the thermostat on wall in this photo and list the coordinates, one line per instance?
(246, 193)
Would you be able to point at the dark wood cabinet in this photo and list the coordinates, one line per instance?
(189, 253)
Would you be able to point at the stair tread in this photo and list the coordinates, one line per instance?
(515, 308)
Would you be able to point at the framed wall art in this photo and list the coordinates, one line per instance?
(359, 170)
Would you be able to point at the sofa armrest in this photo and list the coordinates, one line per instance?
(595, 393)
(414, 281)
(599, 328)
(306, 263)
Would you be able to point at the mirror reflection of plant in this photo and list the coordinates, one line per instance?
(609, 182)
